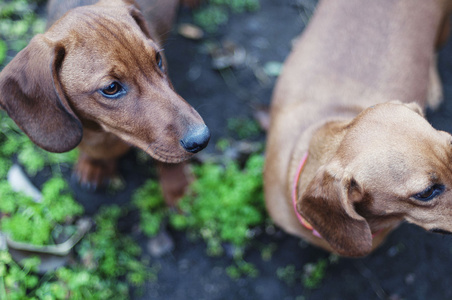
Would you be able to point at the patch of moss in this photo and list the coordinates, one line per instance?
(224, 203)
(216, 12)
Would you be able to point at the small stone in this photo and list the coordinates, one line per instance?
(19, 182)
(190, 31)
(410, 278)
(161, 244)
(228, 55)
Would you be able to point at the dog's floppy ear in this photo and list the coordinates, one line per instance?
(139, 19)
(32, 95)
(328, 204)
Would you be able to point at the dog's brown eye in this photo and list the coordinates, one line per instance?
(430, 192)
(113, 90)
(158, 60)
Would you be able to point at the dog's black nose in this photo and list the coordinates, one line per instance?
(196, 139)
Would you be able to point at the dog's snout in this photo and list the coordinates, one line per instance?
(196, 139)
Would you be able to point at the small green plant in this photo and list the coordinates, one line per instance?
(222, 206)
(244, 128)
(238, 6)
(223, 203)
(107, 265)
(18, 24)
(79, 283)
(241, 268)
(149, 200)
(223, 144)
(211, 17)
(268, 250)
(16, 280)
(216, 12)
(112, 255)
(3, 50)
(288, 274)
(33, 222)
(313, 274)
(215, 230)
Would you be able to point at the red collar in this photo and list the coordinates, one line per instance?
(302, 220)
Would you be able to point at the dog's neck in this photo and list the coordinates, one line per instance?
(321, 142)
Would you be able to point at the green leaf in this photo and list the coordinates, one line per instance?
(3, 50)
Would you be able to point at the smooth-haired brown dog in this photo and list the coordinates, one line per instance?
(97, 79)
(350, 155)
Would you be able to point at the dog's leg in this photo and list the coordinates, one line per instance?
(174, 180)
(93, 173)
(97, 162)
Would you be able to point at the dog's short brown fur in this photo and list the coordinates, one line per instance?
(351, 94)
(97, 79)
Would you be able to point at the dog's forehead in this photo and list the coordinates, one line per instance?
(395, 141)
(101, 38)
(92, 25)
(390, 114)
(391, 125)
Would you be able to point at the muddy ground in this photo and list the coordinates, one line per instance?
(412, 264)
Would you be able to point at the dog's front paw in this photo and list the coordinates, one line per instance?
(93, 174)
(174, 180)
